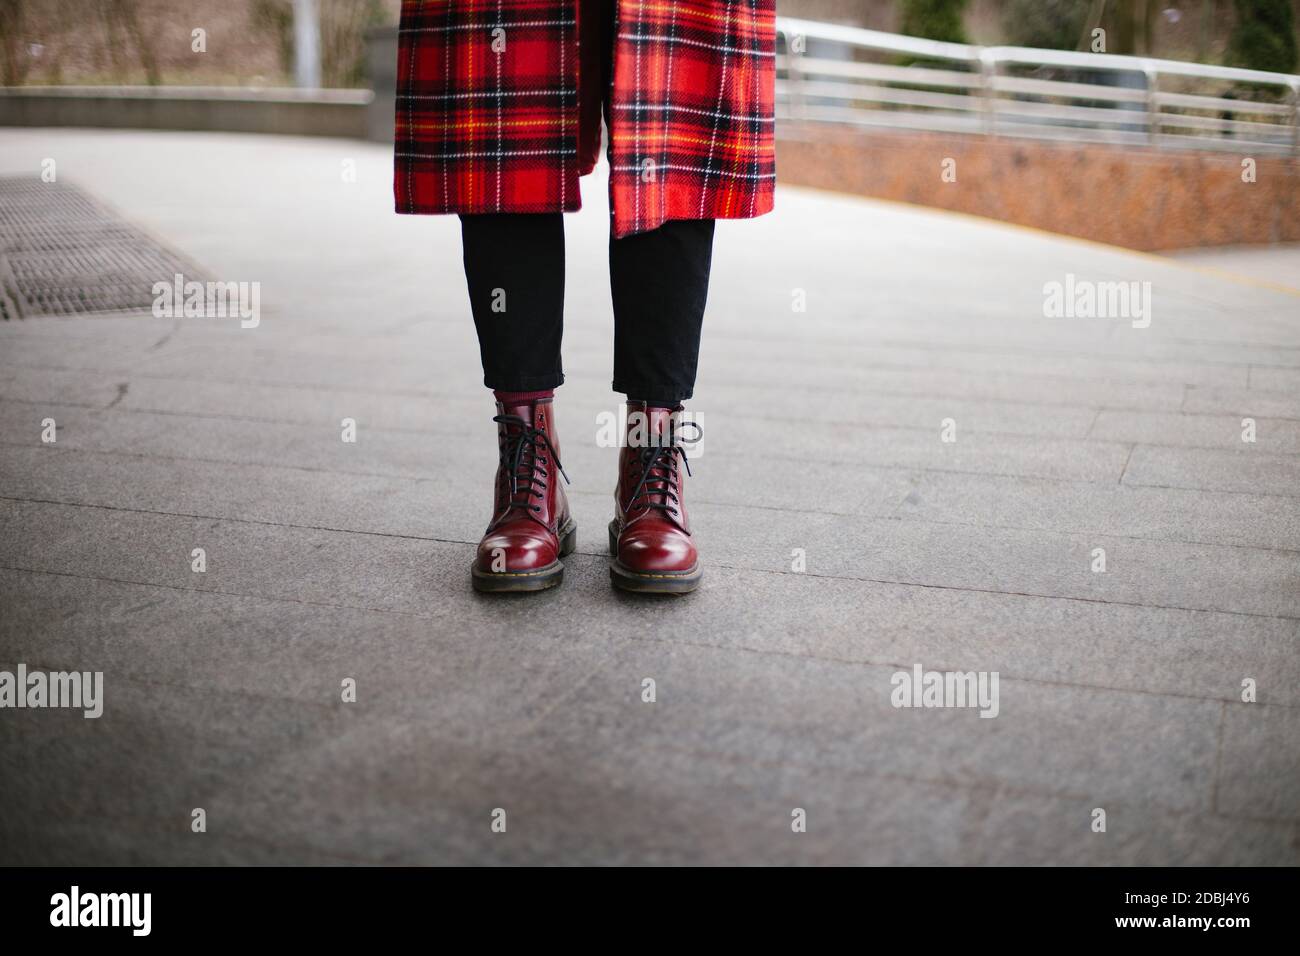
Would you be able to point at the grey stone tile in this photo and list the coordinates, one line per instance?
(1272, 436)
(1159, 573)
(460, 480)
(397, 453)
(413, 794)
(1018, 386)
(426, 411)
(1259, 773)
(1253, 402)
(569, 802)
(1275, 379)
(1157, 514)
(736, 368)
(1144, 647)
(1247, 470)
(474, 667)
(155, 755)
(224, 388)
(764, 710)
(273, 495)
(107, 841)
(1205, 577)
(1009, 829)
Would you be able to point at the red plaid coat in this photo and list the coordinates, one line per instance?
(492, 114)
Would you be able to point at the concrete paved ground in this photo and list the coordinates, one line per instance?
(326, 561)
(1278, 263)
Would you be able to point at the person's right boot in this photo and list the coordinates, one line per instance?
(531, 528)
(650, 537)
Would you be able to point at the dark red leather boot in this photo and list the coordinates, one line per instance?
(531, 528)
(650, 536)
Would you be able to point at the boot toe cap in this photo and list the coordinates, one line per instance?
(516, 552)
(656, 550)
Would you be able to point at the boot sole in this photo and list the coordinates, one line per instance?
(516, 582)
(656, 582)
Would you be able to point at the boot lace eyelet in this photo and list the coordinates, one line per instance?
(657, 479)
(522, 466)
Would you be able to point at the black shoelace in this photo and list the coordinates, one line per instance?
(521, 456)
(657, 463)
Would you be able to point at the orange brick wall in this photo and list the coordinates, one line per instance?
(1136, 197)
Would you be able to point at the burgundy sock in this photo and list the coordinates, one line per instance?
(516, 398)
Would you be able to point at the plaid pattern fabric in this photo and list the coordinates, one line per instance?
(488, 118)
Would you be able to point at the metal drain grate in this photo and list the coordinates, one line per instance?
(62, 253)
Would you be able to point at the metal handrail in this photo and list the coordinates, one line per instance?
(869, 78)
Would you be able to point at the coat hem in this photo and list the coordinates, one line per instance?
(716, 210)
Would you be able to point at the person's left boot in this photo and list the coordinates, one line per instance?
(650, 537)
(531, 527)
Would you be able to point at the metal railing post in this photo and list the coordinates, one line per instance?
(1295, 117)
(988, 91)
(1153, 106)
(794, 77)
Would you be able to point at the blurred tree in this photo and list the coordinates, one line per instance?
(122, 28)
(1049, 24)
(1264, 36)
(1130, 26)
(343, 24)
(13, 41)
(274, 18)
(934, 19)
(343, 39)
(1203, 30)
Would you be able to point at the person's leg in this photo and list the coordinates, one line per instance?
(514, 267)
(660, 281)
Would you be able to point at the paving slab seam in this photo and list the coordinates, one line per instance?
(226, 519)
(1008, 349)
(1218, 756)
(1217, 491)
(464, 431)
(151, 824)
(432, 397)
(975, 590)
(1005, 349)
(955, 785)
(577, 375)
(736, 457)
(1124, 471)
(963, 784)
(712, 503)
(737, 648)
(602, 554)
(511, 727)
(938, 666)
(792, 459)
(149, 682)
